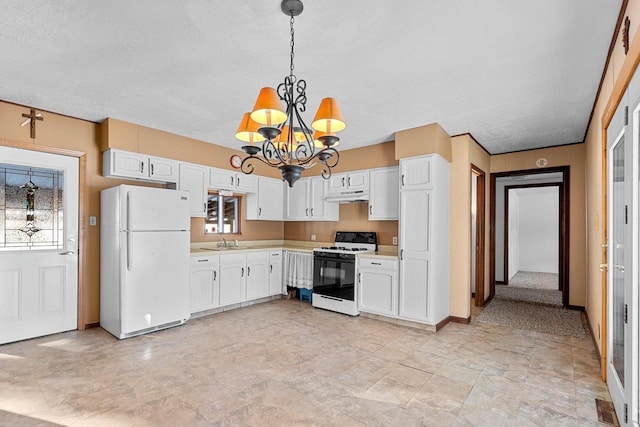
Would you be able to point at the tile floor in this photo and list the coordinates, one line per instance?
(284, 363)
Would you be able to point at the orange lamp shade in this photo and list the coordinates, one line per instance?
(248, 130)
(268, 109)
(316, 139)
(328, 118)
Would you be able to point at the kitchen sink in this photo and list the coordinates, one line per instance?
(221, 248)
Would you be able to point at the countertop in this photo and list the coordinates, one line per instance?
(210, 248)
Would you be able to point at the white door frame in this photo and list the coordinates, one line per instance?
(82, 243)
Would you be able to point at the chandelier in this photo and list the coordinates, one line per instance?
(286, 142)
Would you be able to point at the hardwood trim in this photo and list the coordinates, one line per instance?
(492, 234)
(604, 251)
(442, 323)
(461, 320)
(623, 8)
(92, 325)
(505, 239)
(82, 235)
(480, 234)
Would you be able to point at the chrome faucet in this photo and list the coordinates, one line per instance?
(225, 242)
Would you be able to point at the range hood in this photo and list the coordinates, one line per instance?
(349, 197)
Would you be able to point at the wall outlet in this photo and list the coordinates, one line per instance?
(313, 237)
(395, 240)
(92, 221)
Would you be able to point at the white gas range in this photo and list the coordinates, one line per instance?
(334, 271)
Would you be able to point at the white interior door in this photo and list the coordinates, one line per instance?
(619, 242)
(38, 243)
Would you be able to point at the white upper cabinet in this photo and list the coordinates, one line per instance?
(268, 202)
(124, 164)
(415, 173)
(222, 179)
(194, 179)
(305, 201)
(384, 197)
(348, 182)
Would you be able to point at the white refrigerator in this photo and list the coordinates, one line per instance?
(144, 259)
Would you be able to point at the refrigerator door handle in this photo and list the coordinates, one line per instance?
(129, 251)
(128, 210)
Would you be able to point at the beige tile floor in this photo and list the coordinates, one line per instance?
(284, 363)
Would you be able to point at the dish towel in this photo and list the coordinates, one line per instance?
(299, 270)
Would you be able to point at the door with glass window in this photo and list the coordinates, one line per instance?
(619, 249)
(38, 243)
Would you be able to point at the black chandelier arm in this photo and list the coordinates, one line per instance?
(301, 98)
(272, 155)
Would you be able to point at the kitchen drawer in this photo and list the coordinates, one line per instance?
(204, 260)
(387, 264)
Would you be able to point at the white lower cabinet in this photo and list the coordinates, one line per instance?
(378, 286)
(233, 278)
(204, 292)
(257, 275)
(275, 272)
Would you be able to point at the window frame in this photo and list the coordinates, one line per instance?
(222, 199)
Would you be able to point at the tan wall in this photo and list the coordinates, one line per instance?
(619, 69)
(421, 140)
(353, 216)
(465, 152)
(574, 157)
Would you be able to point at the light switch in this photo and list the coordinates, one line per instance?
(92, 221)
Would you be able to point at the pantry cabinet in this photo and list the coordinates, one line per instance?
(378, 286)
(204, 292)
(424, 239)
(384, 195)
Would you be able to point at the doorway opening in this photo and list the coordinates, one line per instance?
(529, 238)
(477, 235)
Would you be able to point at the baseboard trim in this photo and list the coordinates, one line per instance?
(442, 323)
(462, 320)
(575, 307)
(499, 282)
(593, 338)
(92, 325)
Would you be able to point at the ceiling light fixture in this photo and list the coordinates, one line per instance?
(287, 142)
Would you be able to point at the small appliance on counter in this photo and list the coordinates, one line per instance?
(334, 271)
(144, 259)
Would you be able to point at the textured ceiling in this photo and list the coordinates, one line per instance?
(516, 74)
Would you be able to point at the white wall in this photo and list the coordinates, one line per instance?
(502, 182)
(539, 229)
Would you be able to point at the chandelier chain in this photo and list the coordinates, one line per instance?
(292, 45)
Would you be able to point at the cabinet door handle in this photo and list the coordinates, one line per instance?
(306, 212)
(248, 271)
(242, 274)
(231, 180)
(349, 181)
(311, 211)
(259, 211)
(205, 207)
(271, 268)
(203, 260)
(370, 209)
(151, 168)
(141, 167)
(237, 181)
(402, 180)
(376, 263)
(401, 253)
(215, 274)
(359, 277)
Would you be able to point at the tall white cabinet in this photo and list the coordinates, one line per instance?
(424, 239)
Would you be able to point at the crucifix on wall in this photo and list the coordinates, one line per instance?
(31, 119)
